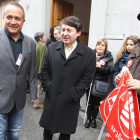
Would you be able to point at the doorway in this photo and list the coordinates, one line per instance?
(80, 8)
(60, 10)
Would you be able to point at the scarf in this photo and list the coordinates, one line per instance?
(124, 57)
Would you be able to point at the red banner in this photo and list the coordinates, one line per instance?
(120, 112)
(108, 136)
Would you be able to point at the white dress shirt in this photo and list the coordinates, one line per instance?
(69, 50)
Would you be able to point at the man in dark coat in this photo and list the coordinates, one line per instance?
(67, 71)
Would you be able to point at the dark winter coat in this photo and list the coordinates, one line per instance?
(106, 69)
(119, 65)
(117, 68)
(65, 81)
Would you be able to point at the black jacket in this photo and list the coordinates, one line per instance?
(49, 41)
(106, 69)
(64, 81)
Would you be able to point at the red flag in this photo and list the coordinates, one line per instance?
(120, 112)
(108, 136)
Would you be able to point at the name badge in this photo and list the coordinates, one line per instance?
(102, 62)
(129, 63)
(19, 59)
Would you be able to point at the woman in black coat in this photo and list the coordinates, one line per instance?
(104, 67)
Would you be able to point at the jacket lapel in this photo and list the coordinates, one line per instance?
(7, 45)
(62, 52)
(72, 55)
(60, 47)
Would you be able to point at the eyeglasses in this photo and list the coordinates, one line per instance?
(101, 45)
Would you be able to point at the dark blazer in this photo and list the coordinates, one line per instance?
(13, 81)
(64, 81)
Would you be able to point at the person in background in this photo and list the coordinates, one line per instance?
(57, 33)
(67, 71)
(104, 67)
(51, 38)
(122, 56)
(18, 61)
(40, 52)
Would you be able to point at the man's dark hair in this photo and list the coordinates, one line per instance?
(15, 4)
(38, 36)
(72, 21)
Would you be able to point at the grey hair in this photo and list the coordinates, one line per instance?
(38, 36)
(58, 28)
(15, 4)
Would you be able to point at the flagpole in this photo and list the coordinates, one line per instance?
(87, 103)
(101, 131)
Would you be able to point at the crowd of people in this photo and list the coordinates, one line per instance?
(62, 67)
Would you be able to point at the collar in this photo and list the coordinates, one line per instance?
(79, 49)
(20, 38)
(73, 46)
(39, 42)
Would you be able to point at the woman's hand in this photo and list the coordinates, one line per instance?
(98, 65)
(117, 79)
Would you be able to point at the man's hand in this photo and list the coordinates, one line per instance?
(117, 79)
(133, 84)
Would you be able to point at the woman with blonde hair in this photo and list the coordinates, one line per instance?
(122, 56)
(104, 67)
